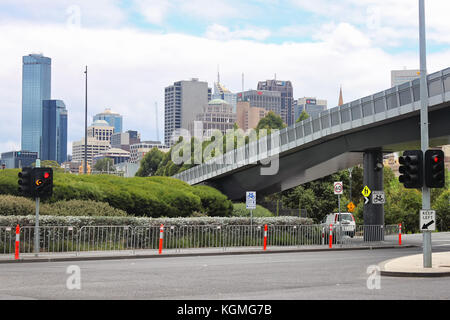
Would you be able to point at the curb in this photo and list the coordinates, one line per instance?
(411, 274)
(197, 254)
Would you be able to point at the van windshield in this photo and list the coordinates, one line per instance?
(345, 217)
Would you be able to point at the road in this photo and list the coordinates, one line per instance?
(304, 275)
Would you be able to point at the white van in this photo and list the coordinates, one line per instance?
(346, 219)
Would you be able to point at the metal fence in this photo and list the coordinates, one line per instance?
(67, 239)
(7, 240)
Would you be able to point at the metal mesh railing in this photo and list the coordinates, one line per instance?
(57, 239)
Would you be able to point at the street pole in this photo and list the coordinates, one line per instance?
(36, 225)
(426, 203)
(350, 176)
(85, 125)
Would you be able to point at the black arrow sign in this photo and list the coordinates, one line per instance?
(425, 226)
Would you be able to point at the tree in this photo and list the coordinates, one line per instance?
(271, 121)
(150, 163)
(49, 164)
(303, 116)
(105, 164)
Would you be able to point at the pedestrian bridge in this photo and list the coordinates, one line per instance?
(336, 139)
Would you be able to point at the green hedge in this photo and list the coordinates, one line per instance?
(138, 196)
(240, 210)
(20, 206)
(143, 221)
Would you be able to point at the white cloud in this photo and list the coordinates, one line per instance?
(219, 32)
(128, 69)
(154, 11)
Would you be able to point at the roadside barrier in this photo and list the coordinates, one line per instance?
(265, 237)
(161, 236)
(67, 239)
(17, 249)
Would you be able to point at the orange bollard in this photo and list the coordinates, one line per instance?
(399, 234)
(331, 236)
(265, 237)
(161, 236)
(17, 242)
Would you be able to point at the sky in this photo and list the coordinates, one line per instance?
(136, 48)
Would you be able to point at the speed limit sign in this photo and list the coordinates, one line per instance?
(338, 187)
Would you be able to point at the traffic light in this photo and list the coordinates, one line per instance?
(434, 169)
(411, 169)
(43, 182)
(26, 182)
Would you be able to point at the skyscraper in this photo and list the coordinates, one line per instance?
(312, 106)
(36, 87)
(54, 131)
(182, 101)
(114, 119)
(220, 92)
(287, 99)
(269, 100)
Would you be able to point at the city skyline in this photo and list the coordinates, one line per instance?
(334, 49)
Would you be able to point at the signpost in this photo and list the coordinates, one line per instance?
(250, 203)
(427, 220)
(338, 190)
(378, 197)
(366, 193)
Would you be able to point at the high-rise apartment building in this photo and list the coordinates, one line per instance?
(36, 87)
(312, 106)
(402, 76)
(114, 119)
(182, 101)
(54, 131)
(287, 98)
(269, 100)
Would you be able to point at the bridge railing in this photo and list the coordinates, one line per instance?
(386, 104)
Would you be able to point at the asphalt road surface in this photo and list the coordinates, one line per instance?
(313, 275)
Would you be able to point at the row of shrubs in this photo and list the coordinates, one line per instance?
(20, 206)
(138, 196)
(79, 222)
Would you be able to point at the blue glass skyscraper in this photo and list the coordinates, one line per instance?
(54, 131)
(36, 87)
(114, 119)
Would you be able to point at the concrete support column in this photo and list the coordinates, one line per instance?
(373, 213)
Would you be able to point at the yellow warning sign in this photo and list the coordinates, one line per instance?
(366, 192)
(351, 207)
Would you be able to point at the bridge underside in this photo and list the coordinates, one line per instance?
(308, 163)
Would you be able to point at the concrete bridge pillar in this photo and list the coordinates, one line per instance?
(373, 178)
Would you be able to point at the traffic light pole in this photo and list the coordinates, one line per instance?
(426, 202)
(36, 226)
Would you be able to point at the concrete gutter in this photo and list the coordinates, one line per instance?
(193, 253)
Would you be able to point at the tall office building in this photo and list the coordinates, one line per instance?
(36, 87)
(287, 99)
(123, 140)
(312, 106)
(402, 76)
(269, 100)
(221, 92)
(54, 131)
(114, 119)
(217, 115)
(182, 101)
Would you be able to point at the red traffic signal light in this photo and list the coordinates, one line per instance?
(434, 169)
